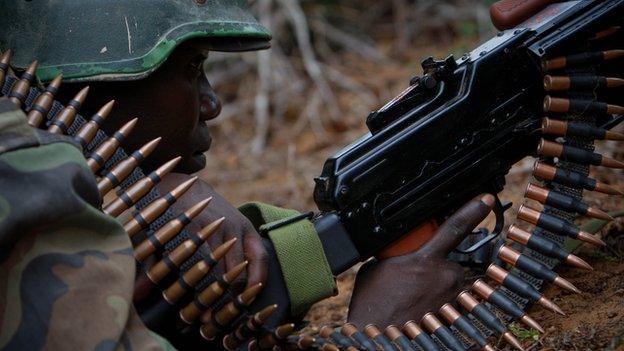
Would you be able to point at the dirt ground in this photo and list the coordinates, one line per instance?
(283, 175)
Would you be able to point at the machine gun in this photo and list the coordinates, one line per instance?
(454, 133)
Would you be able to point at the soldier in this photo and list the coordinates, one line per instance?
(68, 267)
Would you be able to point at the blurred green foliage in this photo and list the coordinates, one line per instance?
(524, 334)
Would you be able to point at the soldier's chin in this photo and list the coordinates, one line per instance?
(194, 163)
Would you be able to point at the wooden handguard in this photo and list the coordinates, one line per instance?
(507, 14)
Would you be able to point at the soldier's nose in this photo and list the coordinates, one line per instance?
(209, 103)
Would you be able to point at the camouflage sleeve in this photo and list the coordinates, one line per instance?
(66, 269)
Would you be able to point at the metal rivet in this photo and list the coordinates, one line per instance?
(344, 189)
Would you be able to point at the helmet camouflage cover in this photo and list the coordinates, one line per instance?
(88, 40)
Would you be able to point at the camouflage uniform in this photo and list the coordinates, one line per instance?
(63, 263)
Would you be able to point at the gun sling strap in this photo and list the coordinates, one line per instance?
(307, 274)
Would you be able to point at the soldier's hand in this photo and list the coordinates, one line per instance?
(249, 244)
(401, 288)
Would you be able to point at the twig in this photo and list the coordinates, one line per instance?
(300, 24)
(311, 114)
(348, 41)
(261, 105)
(400, 12)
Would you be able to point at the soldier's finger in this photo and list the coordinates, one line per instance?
(462, 222)
(257, 256)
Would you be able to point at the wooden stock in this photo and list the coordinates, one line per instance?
(411, 242)
(507, 14)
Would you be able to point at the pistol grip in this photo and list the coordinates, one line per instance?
(412, 241)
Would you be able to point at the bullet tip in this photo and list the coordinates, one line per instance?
(551, 306)
(56, 82)
(32, 67)
(512, 340)
(220, 251)
(590, 238)
(247, 296)
(578, 262)
(599, 214)
(183, 187)
(168, 166)
(208, 230)
(153, 142)
(611, 163)
(610, 135)
(6, 58)
(265, 313)
(233, 273)
(105, 110)
(197, 208)
(128, 127)
(607, 189)
(565, 284)
(531, 323)
(488, 347)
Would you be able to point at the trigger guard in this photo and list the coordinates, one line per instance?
(499, 211)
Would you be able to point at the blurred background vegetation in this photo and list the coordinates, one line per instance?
(331, 63)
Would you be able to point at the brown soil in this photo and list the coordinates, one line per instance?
(595, 317)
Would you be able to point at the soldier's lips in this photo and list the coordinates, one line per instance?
(198, 160)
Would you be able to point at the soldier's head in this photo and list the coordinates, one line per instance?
(147, 55)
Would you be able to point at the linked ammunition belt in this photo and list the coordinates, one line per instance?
(193, 291)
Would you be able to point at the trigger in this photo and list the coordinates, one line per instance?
(499, 212)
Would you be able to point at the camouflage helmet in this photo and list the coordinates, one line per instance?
(89, 40)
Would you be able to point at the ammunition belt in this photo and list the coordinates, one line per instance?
(28, 99)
